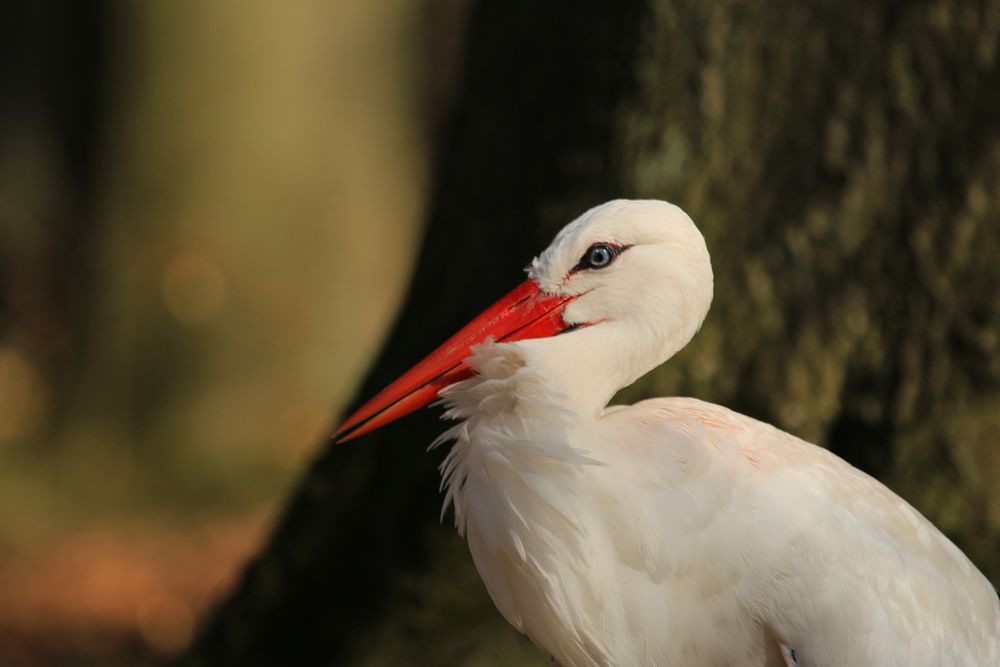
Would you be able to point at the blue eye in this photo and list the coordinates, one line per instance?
(598, 256)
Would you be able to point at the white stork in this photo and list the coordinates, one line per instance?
(673, 531)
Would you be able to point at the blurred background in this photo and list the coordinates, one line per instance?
(221, 224)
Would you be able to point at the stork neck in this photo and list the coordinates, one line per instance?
(584, 369)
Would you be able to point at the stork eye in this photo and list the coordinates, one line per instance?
(598, 256)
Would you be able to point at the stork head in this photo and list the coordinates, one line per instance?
(640, 268)
(628, 283)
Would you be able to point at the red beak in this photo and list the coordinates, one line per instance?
(524, 313)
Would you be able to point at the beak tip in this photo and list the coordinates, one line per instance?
(345, 433)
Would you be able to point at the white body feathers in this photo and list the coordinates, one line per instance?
(676, 532)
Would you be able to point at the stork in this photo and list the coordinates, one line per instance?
(672, 531)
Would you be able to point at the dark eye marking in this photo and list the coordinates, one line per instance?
(598, 256)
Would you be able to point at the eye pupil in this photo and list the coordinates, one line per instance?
(599, 256)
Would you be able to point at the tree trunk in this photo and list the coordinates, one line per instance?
(842, 161)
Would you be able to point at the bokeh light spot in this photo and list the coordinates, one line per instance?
(166, 622)
(22, 396)
(194, 287)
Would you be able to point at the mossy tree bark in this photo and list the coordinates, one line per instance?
(842, 160)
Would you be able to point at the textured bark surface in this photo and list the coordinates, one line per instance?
(843, 161)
